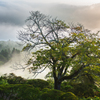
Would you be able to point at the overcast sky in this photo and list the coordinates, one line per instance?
(14, 12)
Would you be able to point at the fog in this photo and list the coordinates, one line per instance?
(17, 64)
(12, 19)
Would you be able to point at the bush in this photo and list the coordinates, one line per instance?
(51, 83)
(38, 83)
(66, 87)
(79, 89)
(68, 96)
(18, 92)
(3, 81)
(83, 90)
(28, 92)
(16, 80)
(13, 79)
(51, 94)
(97, 93)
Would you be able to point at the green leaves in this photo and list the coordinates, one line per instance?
(68, 53)
(66, 50)
(27, 47)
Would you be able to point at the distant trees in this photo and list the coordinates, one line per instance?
(65, 50)
(6, 54)
(15, 51)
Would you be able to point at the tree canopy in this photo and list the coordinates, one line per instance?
(65, 49)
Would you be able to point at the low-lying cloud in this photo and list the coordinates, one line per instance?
(15, 64)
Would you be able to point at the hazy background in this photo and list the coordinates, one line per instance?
(13, 14)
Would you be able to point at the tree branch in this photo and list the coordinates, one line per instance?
(74, 74)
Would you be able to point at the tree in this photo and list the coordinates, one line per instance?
(15, 51)
(65, 50)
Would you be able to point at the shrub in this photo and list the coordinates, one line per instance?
(97, 93)
(28, 92)
(51, 83)
(66, 87)
(83, 90)
(51, 94)
(3, 81)
(68, 96)
(13, 79)
(38, 83)
(18, 92)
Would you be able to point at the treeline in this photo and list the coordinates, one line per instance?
(7, 49)
(6, 54)
(10, 45)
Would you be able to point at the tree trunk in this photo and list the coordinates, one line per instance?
(57, 84)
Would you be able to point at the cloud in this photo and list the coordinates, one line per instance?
(14, 13)
(89, 16)
(8, 32)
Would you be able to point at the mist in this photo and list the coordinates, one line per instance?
(17, 66)
(12, 19)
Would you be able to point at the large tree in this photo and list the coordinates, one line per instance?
(65, 49)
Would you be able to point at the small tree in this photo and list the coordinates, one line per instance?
(65, 50)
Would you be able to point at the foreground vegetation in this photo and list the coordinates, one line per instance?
(17, 88)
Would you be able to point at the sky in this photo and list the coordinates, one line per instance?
(13, 14)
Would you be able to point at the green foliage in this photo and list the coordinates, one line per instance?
(2, 59)
(97, 93)
(4, 56)
(6, 51)
(38, 83)
(51, 83)
(65, 50)
(10, 45)
(38, 89)
(26, 48)
(18, 92)
(89, 98)
(28, 92)
(68, 96)
(51, 94)
(66, 87)
(13, 79)
(3, 81)
(80, 89)
(15, 51)
(83, 90)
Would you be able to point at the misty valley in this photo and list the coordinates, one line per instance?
(11, 57)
